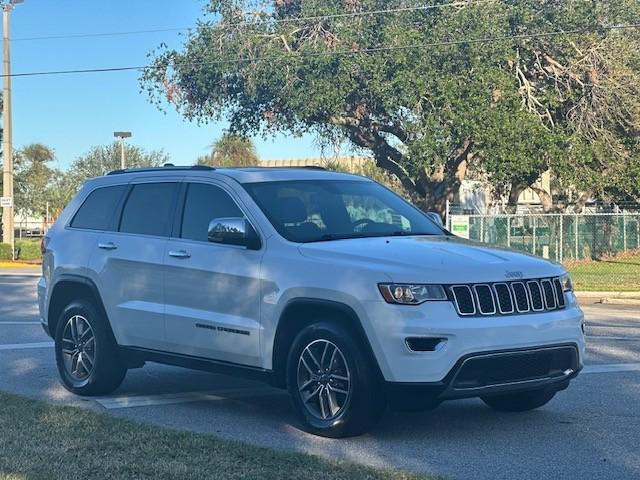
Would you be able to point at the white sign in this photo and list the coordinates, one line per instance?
(6, 202)
(460, 225)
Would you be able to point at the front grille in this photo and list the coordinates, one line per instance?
(502, 368)
(504, 298)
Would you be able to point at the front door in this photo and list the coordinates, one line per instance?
(212, 291)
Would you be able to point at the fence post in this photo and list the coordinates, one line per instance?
(575, 233)
(561, 217)
(509, 231)
(482, 228)
(534, 234)
(624, 231)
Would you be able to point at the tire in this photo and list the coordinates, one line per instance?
(88, 360)
(343, 414)
(519, 402)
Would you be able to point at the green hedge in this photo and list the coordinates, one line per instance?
(28, 250)
(5, 251)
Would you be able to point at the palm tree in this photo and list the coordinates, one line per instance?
(231, 150)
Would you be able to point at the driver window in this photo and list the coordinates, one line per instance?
(364, 210)
(203, 203)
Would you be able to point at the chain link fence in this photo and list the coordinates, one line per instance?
(602, 250)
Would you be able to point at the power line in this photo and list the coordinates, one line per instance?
(342, 52)
(100, 34)
(260, 21)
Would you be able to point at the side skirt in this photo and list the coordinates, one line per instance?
(136, 356)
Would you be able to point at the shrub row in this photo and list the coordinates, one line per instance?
(25, 250)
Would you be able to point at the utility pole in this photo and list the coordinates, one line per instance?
(122, 136)
(7, 147)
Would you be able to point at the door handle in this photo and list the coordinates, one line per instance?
(179, 254)
(107, 246)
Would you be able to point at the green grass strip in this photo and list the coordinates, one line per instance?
(43, 441)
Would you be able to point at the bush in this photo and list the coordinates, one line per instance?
(5, 251)
(28, 250)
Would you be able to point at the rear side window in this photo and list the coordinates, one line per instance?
(149, 209)
(97, 210)
(203, 203)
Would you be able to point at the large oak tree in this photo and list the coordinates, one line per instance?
(430, 93)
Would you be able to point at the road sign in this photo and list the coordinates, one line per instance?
(460, 225)
(6, 202)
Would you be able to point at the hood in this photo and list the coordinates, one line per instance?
(436, 259)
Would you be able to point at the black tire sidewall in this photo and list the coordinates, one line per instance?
(109, 370)
(363, 406)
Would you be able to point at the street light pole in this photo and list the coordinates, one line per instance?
(122, 136)
(7, 146)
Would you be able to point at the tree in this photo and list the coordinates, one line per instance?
(231, 150)
(102, 159)
(32, 178)
(507, 109)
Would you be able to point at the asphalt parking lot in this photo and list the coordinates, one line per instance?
(591, 430)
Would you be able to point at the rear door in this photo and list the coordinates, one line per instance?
(212, 291)
(129, 263)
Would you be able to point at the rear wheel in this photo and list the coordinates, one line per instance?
(333, 385)
(519, 402)
(86, 352)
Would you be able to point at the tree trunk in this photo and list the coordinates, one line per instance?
(444, 182)
(582, 201)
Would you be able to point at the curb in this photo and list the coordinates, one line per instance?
(607, 294)
(611, 298)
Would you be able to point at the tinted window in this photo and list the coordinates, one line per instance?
(322, 210)
(204, 203)
(149, 209)
(97, 210)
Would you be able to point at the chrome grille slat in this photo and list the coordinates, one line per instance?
(463, 297)
(505, 298)
(484, 298)
(535, 294)
(521, 297)
(549, 294)
(559, 292)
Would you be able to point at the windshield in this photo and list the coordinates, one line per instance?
(322, 210)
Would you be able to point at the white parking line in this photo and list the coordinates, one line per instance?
(20, 323)
(184, 397)
(607, 337)
(26, 346)
(612, 368)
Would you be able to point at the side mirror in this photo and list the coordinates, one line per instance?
(435, 216)
(233, 231)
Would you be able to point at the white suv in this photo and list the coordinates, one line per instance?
(327, 284)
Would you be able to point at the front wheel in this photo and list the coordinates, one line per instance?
(332, 382)
(519, 402)
(86, 352)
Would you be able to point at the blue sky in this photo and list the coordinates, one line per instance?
(71, 113)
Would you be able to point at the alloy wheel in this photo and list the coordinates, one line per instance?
(324, 380)
(78, 348)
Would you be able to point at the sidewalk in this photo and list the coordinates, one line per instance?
(12, 268)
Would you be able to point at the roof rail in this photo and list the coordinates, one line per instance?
(161, 169)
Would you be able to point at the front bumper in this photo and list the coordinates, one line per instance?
(389, 326)
(493, 373)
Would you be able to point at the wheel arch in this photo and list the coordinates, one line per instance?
(68, 288)
(301, 312)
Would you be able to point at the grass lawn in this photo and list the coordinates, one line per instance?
(621, 274)
(42, 441)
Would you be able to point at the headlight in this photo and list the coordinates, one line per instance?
(409, 294)
(565, 281)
